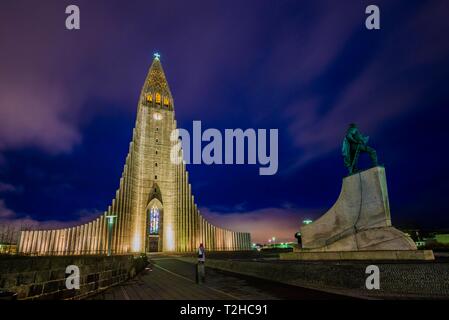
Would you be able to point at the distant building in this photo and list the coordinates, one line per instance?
(8, 248)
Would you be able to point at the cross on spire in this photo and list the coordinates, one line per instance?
(157, 56)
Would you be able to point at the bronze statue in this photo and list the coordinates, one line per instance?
(353, 144)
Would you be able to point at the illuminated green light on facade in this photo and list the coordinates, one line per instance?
(307, 221)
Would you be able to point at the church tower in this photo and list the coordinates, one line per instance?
(154, 209)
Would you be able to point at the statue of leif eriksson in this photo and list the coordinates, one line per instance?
(353, 144)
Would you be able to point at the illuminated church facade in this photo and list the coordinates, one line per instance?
(154, 209)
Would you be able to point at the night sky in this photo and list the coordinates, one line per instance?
(68, 102)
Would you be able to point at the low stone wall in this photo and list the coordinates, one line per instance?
(45, 277)
(397, 280)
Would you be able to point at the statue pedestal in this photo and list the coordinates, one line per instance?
(358, 226)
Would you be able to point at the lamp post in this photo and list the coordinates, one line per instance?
(110, 224)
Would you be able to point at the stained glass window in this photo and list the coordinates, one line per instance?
(158, 98)
(154, 220)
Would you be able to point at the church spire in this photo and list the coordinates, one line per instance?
(156, 87)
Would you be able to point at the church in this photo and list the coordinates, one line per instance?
(153, 209)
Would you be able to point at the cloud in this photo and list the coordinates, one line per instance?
(5, 213)
(263, 224)
(306, 48)
(49, 73)
(6, 187)
(383, 89)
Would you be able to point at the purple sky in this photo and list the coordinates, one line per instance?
(68, 100)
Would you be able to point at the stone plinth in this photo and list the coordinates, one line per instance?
(359, 220)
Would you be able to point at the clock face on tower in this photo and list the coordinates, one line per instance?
(157, 116)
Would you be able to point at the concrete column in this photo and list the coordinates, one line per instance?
(205, 234)
(39, 242)
(60, 241)
(27, 235)
(209, 236)
(120, 218)
(53, 248)
(36, 242)
(62, 246)
(185, 213)
(73, 249)
(67, 241)
(31, 245)
(57, 242)
(178, 207)
(92, 240)
(53, 242)
(100, 235)
(113, 211)
(23, 241)
(93, 248)
(56, 247)
(30, 241)
(183, 210)
(26, 239)
(83, 239)
(212, 245)
(77, 240)
(81, 245)
(218, 239)
(104, 235)
(189, 218)
(44, 242)
(88, 238)
(240, 242)
(20, 242)
(123, 213)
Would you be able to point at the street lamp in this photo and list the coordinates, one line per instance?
(110, 224)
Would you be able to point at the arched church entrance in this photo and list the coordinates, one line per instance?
(154, 215)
